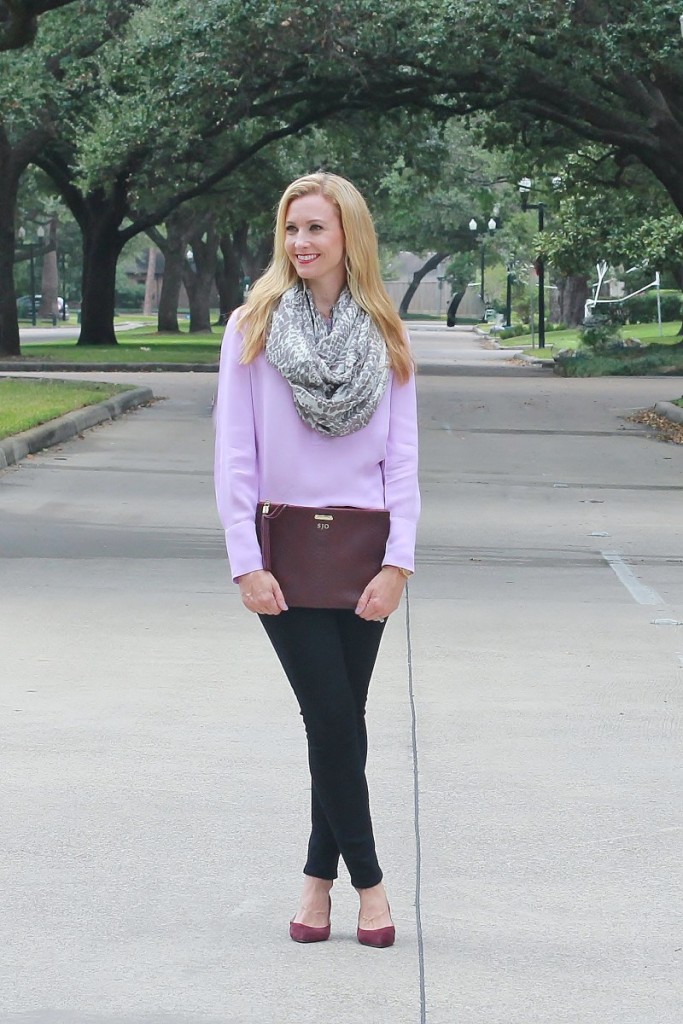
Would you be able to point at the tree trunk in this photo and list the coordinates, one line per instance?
(199, 281)
(49, 286)
(167, 316)
(456, 299)
(150, 282)
(230, 276)
(9, 327)
(256, 258)
(431, 264)
(99, 215)
(678, 274)
(573, 293)
(173, 246)
(102, 246)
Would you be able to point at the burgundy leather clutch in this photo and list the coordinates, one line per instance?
(321, 557)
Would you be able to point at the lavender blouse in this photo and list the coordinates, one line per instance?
(264, 451)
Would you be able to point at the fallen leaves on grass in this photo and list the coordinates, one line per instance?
(666, 429)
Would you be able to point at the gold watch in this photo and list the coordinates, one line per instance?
(406, 573)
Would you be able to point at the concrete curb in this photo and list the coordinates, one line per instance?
(22, 365)
(671, 411)
(515, 352)
(17, 447)
(536, 360)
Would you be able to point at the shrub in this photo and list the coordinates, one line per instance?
(642, 309)
(521, 329)
(600, 333)
(130, 296)
(514, 332)
(655, 359)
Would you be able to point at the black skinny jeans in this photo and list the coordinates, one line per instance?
(328, 656)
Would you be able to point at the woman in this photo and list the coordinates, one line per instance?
(316, 406)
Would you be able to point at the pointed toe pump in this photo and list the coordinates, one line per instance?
(307, 933)
(380, 938)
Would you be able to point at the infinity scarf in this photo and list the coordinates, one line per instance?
(337, 375)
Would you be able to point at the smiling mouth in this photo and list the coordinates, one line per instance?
(307, 257)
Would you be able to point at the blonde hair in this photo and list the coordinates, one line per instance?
(363, 275)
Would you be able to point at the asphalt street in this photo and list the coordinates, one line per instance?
(43, 333)
(525, 727)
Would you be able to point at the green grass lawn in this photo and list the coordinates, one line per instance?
(138, 346)
(27, 403)
(556, 340)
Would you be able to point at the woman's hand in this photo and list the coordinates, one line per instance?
(260, 593)
(382, 595)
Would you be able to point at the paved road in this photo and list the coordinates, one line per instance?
(154, 781)
(43, 334)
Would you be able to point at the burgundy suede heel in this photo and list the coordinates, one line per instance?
(307, 933)
(380, 938)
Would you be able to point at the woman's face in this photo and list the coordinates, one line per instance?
(314, 241)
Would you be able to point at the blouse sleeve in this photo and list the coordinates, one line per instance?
(401, 490)
(235, 466)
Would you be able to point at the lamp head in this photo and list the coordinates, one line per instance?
(473, 225)
(492, 225)
(524, 190)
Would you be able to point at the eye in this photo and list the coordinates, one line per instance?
(316, 227)
(290, 229)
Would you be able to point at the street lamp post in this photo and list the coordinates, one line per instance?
(473, 226)
(524, 190)
(508, 293)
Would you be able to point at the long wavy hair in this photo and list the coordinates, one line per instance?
(363, 275)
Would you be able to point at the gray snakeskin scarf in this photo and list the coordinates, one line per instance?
(337, 374)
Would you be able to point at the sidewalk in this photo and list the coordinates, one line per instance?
(524, 732)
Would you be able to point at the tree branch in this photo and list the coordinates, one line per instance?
(19, 20)
(145, 221)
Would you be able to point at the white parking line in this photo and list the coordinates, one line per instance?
(638, 591)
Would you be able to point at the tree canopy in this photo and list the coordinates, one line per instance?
(600, 70)
(136, 106)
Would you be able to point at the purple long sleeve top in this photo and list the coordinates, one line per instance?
(265, 452)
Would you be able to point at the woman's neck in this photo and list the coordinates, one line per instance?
(325, 295)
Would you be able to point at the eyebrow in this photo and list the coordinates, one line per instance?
(312, 220)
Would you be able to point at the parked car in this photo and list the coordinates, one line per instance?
(24, 307)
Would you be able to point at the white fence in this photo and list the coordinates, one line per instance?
(431, 296)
